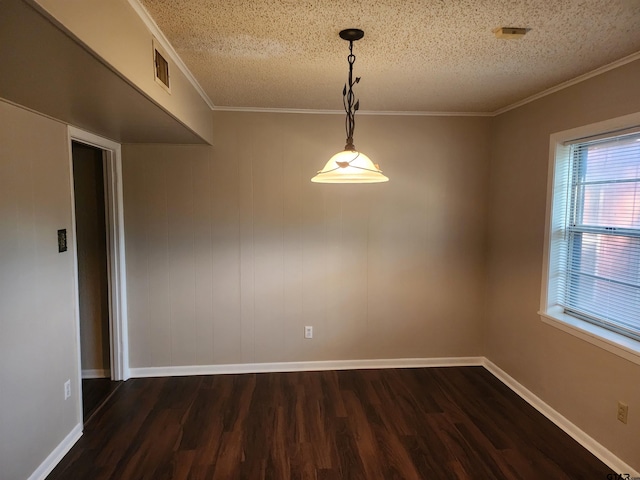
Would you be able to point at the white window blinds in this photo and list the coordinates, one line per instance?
(600, 261)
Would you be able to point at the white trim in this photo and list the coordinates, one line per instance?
(115, 250)
(57, 454)
(556, 88)
(567, 426)
(304, 111)
(117, 267)
(166, 45)
(561, 86)
(177, 371)
(73, 244)
(569, 83)
(360, 112)
(95, 373)
(162, 39)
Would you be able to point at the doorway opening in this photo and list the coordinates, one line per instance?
(93, 280)
(99, 263)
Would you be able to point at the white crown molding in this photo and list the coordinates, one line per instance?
(166, 45)
(278, 110)
(164, 42)
(574, 81)
(424, 114)
(360, 112)
(561, 86)
(57, 454)
(597, 449)
(177, 371)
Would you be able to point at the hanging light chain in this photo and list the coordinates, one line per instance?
(351, 106)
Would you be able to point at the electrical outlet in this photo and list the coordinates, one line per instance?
(623, 412)
(308, 332)
(67, 389)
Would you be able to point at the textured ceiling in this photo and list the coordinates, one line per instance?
(416, 55)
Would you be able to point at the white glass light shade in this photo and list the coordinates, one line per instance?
(350, 166)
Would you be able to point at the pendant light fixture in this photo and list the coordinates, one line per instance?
(350, 165)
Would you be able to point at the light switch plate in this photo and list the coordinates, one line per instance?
(62, 240)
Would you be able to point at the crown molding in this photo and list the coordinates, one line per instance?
(574, 81)
(360, 112)
(166, 45)
(561, 86)
(278, 110)
(426, 114)
(164, 42)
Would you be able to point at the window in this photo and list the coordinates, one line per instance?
(592, 262)
(602, 279)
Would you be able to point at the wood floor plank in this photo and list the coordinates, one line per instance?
(428, 455)
(367, 447)
(412, 424)
(396, 461)
(350, 463)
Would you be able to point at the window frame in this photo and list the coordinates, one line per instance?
(557, 201)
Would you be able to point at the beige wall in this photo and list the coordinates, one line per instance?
(85, 93)
(580, 380)
(231, 250)
(38, 350)
(114, 31)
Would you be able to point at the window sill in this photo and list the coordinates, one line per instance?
(612, 342)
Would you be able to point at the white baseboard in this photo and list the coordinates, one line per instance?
(96, 373)
(58, 453)
(570, 428)
(305, 366)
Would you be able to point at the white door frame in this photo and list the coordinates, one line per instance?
(116, 266)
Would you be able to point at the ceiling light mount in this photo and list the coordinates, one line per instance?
(351, 34)
(350, 166)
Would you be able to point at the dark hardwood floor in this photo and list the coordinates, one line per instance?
(433, 423)
(95, 391)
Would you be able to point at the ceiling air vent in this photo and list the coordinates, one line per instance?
(510, 32)
(161, 67)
